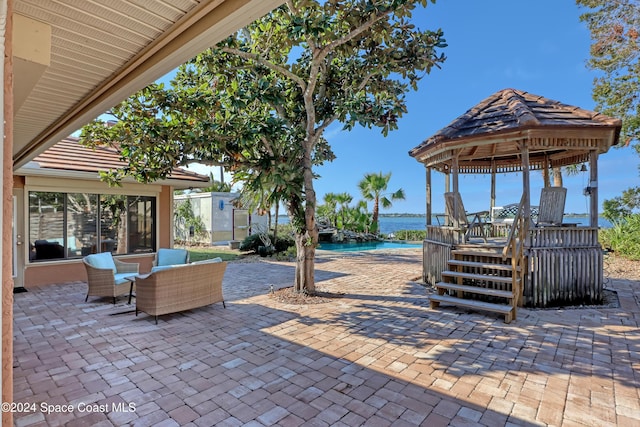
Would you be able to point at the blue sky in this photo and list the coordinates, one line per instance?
(540, 47)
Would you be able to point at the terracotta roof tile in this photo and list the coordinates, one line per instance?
(70, 155)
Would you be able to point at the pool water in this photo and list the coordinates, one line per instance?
(366, 246)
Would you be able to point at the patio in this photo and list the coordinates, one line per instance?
(377, 356)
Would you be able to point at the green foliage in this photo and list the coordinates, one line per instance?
(288, 255)
(624, 237)
(216, 186)
(412, 235)
(615, 52)
(618, 208)
(185, 218)
(357, 218)
(373, 187)
(252, 242)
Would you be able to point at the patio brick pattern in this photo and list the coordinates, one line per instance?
(375, 356)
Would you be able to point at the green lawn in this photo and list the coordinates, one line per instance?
(199, 254)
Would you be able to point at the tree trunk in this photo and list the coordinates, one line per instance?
(374, 219)
(275, 228)
(557, 176)
(307, 239)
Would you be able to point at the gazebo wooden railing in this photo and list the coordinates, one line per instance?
(551, 265)
(515, 249)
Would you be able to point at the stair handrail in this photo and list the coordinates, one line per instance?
(515, 248)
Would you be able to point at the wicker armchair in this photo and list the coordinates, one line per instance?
(107, 276)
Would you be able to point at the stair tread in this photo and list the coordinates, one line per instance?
(488, 306)
(488, 265)
(468, 252)
(473, 276)
(476, 290)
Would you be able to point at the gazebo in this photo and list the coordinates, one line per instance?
(533, 264)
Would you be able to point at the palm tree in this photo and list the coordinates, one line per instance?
(343, 199)
(216, 186)
(357, 218)
(556, 173)
(330, 204)
(373, 187)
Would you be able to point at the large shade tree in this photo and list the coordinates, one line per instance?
(615, 53)
(280, 82)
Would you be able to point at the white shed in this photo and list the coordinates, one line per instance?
(223, 221)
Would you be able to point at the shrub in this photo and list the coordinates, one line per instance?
(252, 242)
(288, 255)
(410, 235)
(624, 237)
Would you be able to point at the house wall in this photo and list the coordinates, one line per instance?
(6, 346)
(41, 273)
(73, 270)
(165, 217)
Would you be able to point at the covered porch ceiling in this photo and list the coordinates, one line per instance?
(490, 137)
(75, 59)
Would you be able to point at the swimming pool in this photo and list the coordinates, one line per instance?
(366, 246)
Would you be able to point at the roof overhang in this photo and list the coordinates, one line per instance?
(33, 170)
(101, 53)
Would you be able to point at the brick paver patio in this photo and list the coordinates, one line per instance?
(377, 356)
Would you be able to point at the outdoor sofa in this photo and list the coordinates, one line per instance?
(180, 288)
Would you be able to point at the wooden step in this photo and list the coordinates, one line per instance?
(476, 290)
(485, 265)
(507, 310)
(482, 248)
(469, 252)
(472, 276)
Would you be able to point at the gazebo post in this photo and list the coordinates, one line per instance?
(593, 183)
(493, 187)
(526, 187)
(428, 180)
(454, 170)
(447, 182)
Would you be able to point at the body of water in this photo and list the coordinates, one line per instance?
(391, 224)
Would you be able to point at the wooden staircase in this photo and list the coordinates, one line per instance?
(481, 279)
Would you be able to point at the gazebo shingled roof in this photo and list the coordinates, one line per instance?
(488, 137)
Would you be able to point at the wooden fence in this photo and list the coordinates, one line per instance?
(564, 267)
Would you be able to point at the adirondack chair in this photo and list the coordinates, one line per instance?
(459, 218)
(551, 210)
